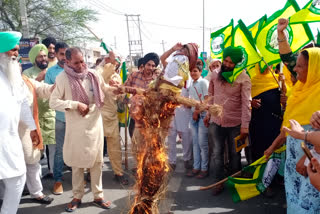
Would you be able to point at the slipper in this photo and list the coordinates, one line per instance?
(73, 205)
(100, 202)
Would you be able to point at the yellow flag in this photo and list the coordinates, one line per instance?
(298, 35)
(220, 39)
(256, 26)
(309, 13)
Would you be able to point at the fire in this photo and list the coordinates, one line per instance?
(154, 110)
(155, 114)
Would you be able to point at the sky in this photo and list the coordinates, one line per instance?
(172, 21)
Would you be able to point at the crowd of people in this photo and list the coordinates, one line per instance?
(61, 108)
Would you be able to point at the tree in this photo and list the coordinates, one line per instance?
(62, 19)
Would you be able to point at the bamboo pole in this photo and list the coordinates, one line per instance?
(275, 78)
(92, 33)
(220, 182)
(125, 137)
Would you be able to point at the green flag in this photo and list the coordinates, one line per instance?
(266, 40)
(257, 25)
(221, 39)
(262, 173)
(123, 72)
(309, 13)
(121, 106)
(104, 46)
(242, 38)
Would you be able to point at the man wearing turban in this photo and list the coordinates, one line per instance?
(15, 109)
(235, 99)
(141, 79)
(38, 57)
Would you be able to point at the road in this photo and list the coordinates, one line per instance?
(182, 196)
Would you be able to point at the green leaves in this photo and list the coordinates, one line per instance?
(62, 19)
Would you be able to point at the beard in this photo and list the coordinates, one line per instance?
(61, 63)
(42, 64)
(51, 55)
(222, 70)
(11, 68)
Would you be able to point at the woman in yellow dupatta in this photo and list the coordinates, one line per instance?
(301, 196)
(266, 116)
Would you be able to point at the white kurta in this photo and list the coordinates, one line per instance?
(12, 110)
(109, 111)
(83, 143)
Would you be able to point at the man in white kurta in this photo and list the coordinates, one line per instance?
(14, 108)
(83, 147)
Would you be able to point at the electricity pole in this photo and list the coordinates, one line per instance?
(24, 20)
(203, 28)
(134, 40)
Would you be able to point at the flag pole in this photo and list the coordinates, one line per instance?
(219, 182)
(125, 137)
(92, 33)
(275, 78)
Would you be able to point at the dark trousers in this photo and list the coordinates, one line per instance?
(218, 136)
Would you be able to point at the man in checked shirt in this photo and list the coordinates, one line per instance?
(141, 79)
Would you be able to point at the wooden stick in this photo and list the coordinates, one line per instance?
(125, 137)
(272, 73)
(92, 33)
(220, 182)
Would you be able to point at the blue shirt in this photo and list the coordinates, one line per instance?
(50, 78)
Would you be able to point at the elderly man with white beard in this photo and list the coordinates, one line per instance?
(14, 109)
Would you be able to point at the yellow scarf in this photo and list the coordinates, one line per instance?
(305, 98)
(262, 82)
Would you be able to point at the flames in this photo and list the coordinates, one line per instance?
(153, 110)
(155, 114)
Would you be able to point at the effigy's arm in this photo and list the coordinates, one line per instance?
(214, 109)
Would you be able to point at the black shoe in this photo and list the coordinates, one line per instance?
(121, 179)
(43, 200)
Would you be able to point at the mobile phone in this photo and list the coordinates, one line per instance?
(306, 150)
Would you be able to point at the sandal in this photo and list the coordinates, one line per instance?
(202, 174)
(121, 179)
(193, 173)
(100, 202)
(73, 205)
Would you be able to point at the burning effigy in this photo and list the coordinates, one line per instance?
(153, 109)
